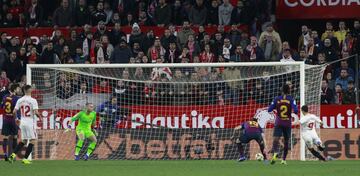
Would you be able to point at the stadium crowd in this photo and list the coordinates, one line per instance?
(258, 41)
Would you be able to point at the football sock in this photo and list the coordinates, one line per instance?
(275, 146)
(19, 147)
(28, 150)
(262, 148)
(240, 149)
(286, 149)
(91, 148)
(317, 154)
(78, 147)
(4, 145)
(14, 143)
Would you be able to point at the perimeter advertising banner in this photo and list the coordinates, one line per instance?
(318, 9)
(187, 132)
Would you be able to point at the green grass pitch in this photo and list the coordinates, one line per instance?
(179, 168)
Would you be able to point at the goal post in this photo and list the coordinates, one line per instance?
(166, 111)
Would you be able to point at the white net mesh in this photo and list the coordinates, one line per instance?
(186, 112)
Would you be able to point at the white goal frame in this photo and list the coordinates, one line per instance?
(300, 64)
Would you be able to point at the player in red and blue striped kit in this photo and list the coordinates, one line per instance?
(10, 128)
(284, 105)
(250, 131)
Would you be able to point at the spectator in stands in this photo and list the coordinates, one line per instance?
(304, 38)
(177, 16)
(116, 34)
(83, 88)
(213, 13)
(270, 47)
(330, 79)
(317, 40)
(238, 56)
(349, 96)
(356, 34)
(109, 113)
(167, 38)
(327, 94)
(238, 14)
(330, 53)
(63, 16)
(65, 91)
(232, 94)
(65, 56)
(244, 40)
(136, 49)
(108, 11)
(183, 35)
(344, 79)
(129, 20)
(253, 51)
(207, 56)
(338, 98)
(234, 35)
(34, 15)
(14, 45)
(104, 53)
(4, 80)
(193, 46)
(45, 83)
(88, 45)
(304, 57)
(136, 36)
(348, 44)
(329, 31)
(172, 54)
(227, 49)
(198, 13)
(344, 65)
(156, 51)
(82, 14)
(312, 50)
(341, 33)
(286, 56)
(163, 13)
(121, 54)
(144, 20)
(48, 56)
(79, 57)
(9, 21)
(225, 10)
(99, 14)
(101, 30)
(102, 86)
(264, 36)
(33, 56)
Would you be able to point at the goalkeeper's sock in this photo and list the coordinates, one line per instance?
(28, 150)
(4, 145)
(286, 149)
(91, 148)
(19, 147)
(317, 154)
(79, 146)
(240, 149)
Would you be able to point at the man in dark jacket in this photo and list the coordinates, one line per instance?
(82, 14)
(13, 67)
(63, 16)
(121, 53)
(198, 13)
(162, 14)
(48, 56)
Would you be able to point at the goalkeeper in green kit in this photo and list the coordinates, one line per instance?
(85, 130)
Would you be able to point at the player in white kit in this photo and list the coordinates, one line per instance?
(28, 107)
(308, 122)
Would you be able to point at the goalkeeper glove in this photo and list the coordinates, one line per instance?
(68, 129)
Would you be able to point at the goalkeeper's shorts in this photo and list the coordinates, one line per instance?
(86, 133)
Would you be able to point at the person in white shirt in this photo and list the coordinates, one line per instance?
(28, 107)
(308, 122)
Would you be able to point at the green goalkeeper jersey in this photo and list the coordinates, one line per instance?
(85, 120)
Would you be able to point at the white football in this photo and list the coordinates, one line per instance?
(259, 157)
